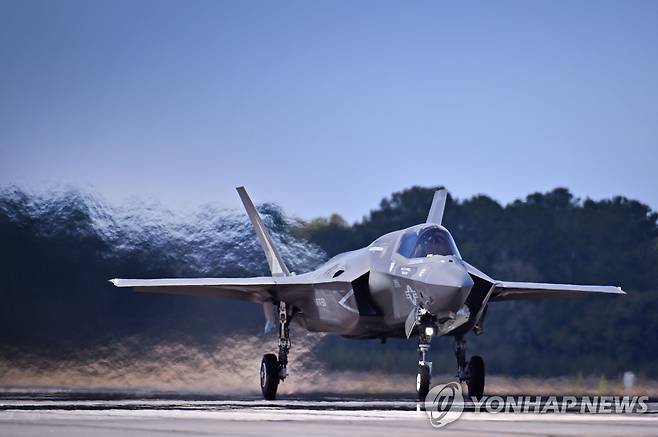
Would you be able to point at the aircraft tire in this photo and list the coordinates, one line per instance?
(475, 379)
(423, 381)
(269, 376)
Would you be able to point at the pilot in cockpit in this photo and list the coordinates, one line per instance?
(430, 244)
(427, 242)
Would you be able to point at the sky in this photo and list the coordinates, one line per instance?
(329, 106)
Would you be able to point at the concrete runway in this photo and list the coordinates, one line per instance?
(43, 415)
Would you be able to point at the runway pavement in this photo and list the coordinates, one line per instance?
(136, 415)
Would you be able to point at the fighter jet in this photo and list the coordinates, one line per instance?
(411, 282)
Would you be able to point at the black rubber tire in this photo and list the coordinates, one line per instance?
(475, 379)
(423, 381)
(269, 376)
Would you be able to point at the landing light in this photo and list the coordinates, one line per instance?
(429, 331)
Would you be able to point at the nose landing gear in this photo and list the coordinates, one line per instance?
(424, 376)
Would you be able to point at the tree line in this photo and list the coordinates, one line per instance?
(57, 252)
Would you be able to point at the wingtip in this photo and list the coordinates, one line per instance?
(114, 281)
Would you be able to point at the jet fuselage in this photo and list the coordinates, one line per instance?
(369, 293)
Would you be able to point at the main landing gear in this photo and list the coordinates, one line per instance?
(274, 369)
(471, 372)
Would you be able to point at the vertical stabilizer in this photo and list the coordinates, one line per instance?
(438, 205)
(277, 266)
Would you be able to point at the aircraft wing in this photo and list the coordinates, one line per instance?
(507, 290)
(259, 289)
(504, 290)
(250, 289)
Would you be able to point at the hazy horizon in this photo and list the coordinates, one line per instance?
(163, 206)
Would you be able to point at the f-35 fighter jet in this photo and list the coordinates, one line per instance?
(411, 282)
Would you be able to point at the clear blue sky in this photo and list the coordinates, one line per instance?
(329, 106)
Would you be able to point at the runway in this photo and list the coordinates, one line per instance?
(135, 415)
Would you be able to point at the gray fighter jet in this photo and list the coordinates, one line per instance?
(411, 282)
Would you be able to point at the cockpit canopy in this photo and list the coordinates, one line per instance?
(427, 241)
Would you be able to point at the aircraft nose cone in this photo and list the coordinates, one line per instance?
(449, 274)
(449, 286)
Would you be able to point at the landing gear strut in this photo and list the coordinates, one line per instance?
(471, 372)
(274, 369)
(424, 376)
